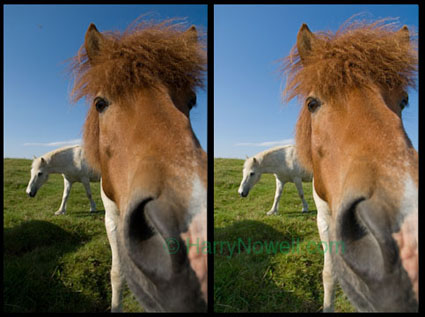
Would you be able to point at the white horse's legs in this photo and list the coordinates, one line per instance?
(279, 189)
(111, 222)
(299, 185)
(323, 218)
(86, 183)
(66, 190)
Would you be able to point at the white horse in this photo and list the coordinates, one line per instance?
(283, 163)
(68, 161)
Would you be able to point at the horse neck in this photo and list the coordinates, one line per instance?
(57, 162)
(268, 162)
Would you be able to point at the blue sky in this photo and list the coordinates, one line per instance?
(249, 115)
(38, 39)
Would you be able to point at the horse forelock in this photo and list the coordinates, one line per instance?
(247, 163)
(250, 163)
(36, 162)
(142, 56)
(358, 54)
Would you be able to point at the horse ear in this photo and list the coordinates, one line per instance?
(403, 35)
(34, 157)
(254, 160)
(93, 42)
(192, 33)
(305, 41)
(43, 161)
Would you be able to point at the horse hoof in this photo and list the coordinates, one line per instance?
(59, 212)
(271, 212)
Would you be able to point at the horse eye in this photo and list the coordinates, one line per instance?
(40, 173)
(404, 102)
(101, 104)
(192, 102)
(313, 104)
(251, 174)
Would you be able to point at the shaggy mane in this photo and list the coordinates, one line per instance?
(358, 54)
(144, 55)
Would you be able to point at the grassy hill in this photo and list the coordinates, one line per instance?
(278, 266)
(54, 263)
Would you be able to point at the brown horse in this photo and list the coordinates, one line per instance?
(350, 135)
(138, 135)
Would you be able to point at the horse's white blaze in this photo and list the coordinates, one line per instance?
(407, 237)
(196, 234)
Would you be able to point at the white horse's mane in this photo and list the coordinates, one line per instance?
(273, 149)
(48, 155)
(259, 156)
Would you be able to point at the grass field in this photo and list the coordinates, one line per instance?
(263, 278)
(54, 263)
(61, 263)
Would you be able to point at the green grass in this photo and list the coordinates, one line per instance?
(54, 263)
(61, 263)
(257, 280)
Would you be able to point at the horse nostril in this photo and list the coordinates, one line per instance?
(349, 225)
(138, 221)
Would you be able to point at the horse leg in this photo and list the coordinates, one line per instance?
(66, 190)
(323, 218)
(86, 184)
(279, 189)
(299, 185)
(111, 223)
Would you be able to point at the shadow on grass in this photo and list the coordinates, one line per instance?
(32, 270)
(248, 280)
(256, 230)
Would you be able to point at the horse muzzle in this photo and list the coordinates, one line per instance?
(365, 226)
(32, 194)
(157, 262)
(242, 193)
